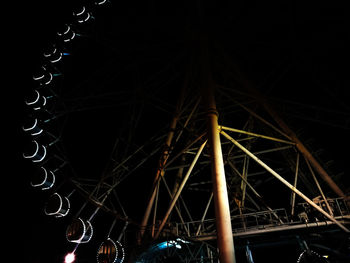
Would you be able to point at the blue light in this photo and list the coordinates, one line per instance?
(167, 244)
(162, 245)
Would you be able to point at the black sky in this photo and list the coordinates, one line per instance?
(299, 49)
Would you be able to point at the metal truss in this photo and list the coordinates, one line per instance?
(258, 151)
(224, 163)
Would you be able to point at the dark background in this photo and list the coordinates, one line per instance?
(301, 50)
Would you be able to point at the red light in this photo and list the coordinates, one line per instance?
(69, 258)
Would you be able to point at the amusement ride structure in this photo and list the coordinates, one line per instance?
(199, 164)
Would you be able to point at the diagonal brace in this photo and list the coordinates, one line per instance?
(176, 196)
(285, 182)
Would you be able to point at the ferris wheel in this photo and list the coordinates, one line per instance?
(165, 162)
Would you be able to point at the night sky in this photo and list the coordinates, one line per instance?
(289, 50)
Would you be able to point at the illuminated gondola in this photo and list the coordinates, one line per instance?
(79, 231)
(43, 179)
(110, 252)
(57, 206)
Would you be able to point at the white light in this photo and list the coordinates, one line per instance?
(81, 12)
(64, 32)
(181, 240)
(85, 19)
(69, 258)
(35, 100)
(42, 157)
(101, 2)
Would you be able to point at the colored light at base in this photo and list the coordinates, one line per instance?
(69, 258)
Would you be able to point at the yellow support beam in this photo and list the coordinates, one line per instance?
(255, 135)
(284, 181)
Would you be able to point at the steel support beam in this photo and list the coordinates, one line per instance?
(255, 135)
(319, 188)
(160, 171)
(272, 230)
(295, 185)
(284, 181)
(177, 195)
(301, 147)
(285, 128)
(221, 202)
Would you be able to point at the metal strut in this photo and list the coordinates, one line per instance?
(285, 182)
(160, 171)
(221, 203)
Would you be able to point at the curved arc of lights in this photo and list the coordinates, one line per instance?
(35, 129)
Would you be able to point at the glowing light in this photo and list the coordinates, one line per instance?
(69, 258)
(67, 34)
(100, 2)
(82, 15)
(33, 127)
(167, 244)
(79, 231)
(81, 12)
(39, 153)
(44, 77)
